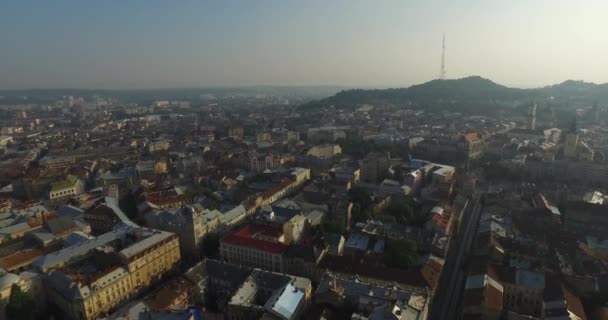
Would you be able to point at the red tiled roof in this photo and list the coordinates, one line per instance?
(574, 303)
(20, 258)
(251, 236)
(173, 292)
(473, 136)
(488, 297)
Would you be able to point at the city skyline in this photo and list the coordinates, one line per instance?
(69, 44)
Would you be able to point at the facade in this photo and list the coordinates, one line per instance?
(327, 134)
(69, 187)
(269, 161)
(5, 141)
(584, 218)
(374, 167)
(255, 246)
(523, 292)
(471, 145)
(90, 279)
(570, 145)
(236, 132)
(263, 137)
(325, 151)
(191, 223)
(483, 297)
(160, 145)
(576, 148)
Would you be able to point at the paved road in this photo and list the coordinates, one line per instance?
(447, 301)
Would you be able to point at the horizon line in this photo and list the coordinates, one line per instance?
(387, 86)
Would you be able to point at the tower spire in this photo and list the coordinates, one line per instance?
(442, 71)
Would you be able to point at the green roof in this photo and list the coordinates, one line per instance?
(69, 182)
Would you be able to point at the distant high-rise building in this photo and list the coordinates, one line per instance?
(571, 144)
(596, 112)
(532, 117)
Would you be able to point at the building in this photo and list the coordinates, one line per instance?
(71, 186)
(89, 279)
(145, 168)
(303, 260)
(576, 148)
(174, 295)
(124, 179)
(471, 146)
(584, 218)
(52, 162)
(104, 215)
(255, 246)
(523, 291)
(263, 162)
(346, 175)
(571, 144)
(263, 137)
(268, 295)
(140, 310)
(324, 151)
(532, 117)
(374, 167)
(561, 303)
(327, 134)
(483, 296)
(217, 279)
(5, 141)
(296, 178)
(7, 280)
(159, 145)
(236, 132)
(192, 223)
(371, 299)
(170, 197)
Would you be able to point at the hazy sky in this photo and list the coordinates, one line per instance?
(177, 43)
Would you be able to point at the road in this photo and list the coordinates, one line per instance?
(447, 301)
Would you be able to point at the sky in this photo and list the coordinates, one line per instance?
(355, 43)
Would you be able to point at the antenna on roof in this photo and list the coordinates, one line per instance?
(442, 70)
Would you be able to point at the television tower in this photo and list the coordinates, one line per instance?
(442, 71)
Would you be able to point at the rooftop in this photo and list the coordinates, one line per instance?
(79, 249)
(147, 238)
(264, 238)
(286, 303)
(530, 279)
(171, 291)
(69, 182)
(357, 241)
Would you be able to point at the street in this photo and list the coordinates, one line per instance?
(447, 301)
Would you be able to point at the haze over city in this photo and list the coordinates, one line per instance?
(303, 160)
(159, 44)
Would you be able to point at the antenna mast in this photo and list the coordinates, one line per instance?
(442, 72)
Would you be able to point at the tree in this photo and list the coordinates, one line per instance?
(20, 304)
(400, 253)
(402, 212)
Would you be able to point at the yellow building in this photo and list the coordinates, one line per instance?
(150, 259)
(6, 284)
(91, 279)
(160, 167)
